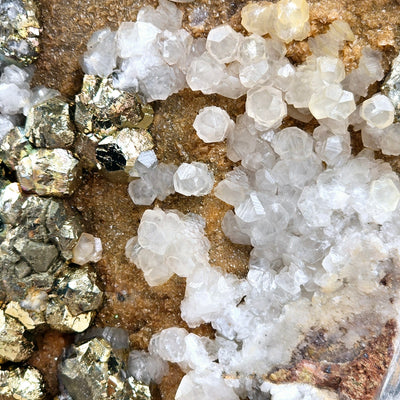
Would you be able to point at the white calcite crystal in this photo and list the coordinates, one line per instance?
(222, 43)
(266, 106)
(146, 368)
(87, 249)
(378, 111)
(213, 124)
(287, 19)
(193, 179)
(156, 180)
(167, 243)
(297, 391)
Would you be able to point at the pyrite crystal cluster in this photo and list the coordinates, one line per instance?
(112, 126)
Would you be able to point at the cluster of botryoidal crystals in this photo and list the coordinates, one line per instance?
(323, 224)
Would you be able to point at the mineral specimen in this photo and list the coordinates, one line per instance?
(193, 179)
(212, 124)
(322, 223)
(92, 370)
(87, 249)
(48, 124)
(23, 383)
(48, 172)
(19, 39)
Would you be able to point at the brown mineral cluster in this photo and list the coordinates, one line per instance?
(108, 212)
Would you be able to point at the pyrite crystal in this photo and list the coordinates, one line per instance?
(93, 371)
(19, 31)
(391, 87)
(36, 283)
(14, 147)
(49, 172)
(48, 124)
(112, 126)
(22, 383)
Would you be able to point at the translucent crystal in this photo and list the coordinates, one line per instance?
(222, 43)
(88, 249)
(169, 344)
(266, 106)
(146, 368)
(205, 73)
(378, 111)
(256, 18)
(100, 57)
(213, 124)
(290, 20)
(251, 49)
(369, 71)
(193, 179)
(292, 143)
(332, 102)
(390, 140)
(385, 194)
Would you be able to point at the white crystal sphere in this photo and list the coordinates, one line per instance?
(251, 49)
(222, 43)
(256, 18)
(193, 179)
(378, 111)
(266, 106)
(213, 124)
(390, 141)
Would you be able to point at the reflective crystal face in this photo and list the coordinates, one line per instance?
(212, 124)
(378, 111)
(222, 43)
(266, 106)
(193, 179)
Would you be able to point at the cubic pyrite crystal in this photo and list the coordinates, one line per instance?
(48, 124)
(49, 172)
(93, 371)
(14, 147)
(102, 109)
(22, 383)
(112, 125)
(19, 27)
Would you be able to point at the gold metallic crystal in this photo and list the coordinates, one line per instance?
(103, 110)
(49, 172)
(22, 384)
(48, 124)
(19, 34)
(93, 371)
(13, 345)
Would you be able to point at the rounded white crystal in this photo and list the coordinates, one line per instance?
(266, 106)
(378, 111)
(293, 143)
(213, 124)
(256, 18)
(193, 179)
(87, 249)
(222, 43)
(332, 102)
(390, 140)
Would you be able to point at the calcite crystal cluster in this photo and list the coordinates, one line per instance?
(322, 222)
